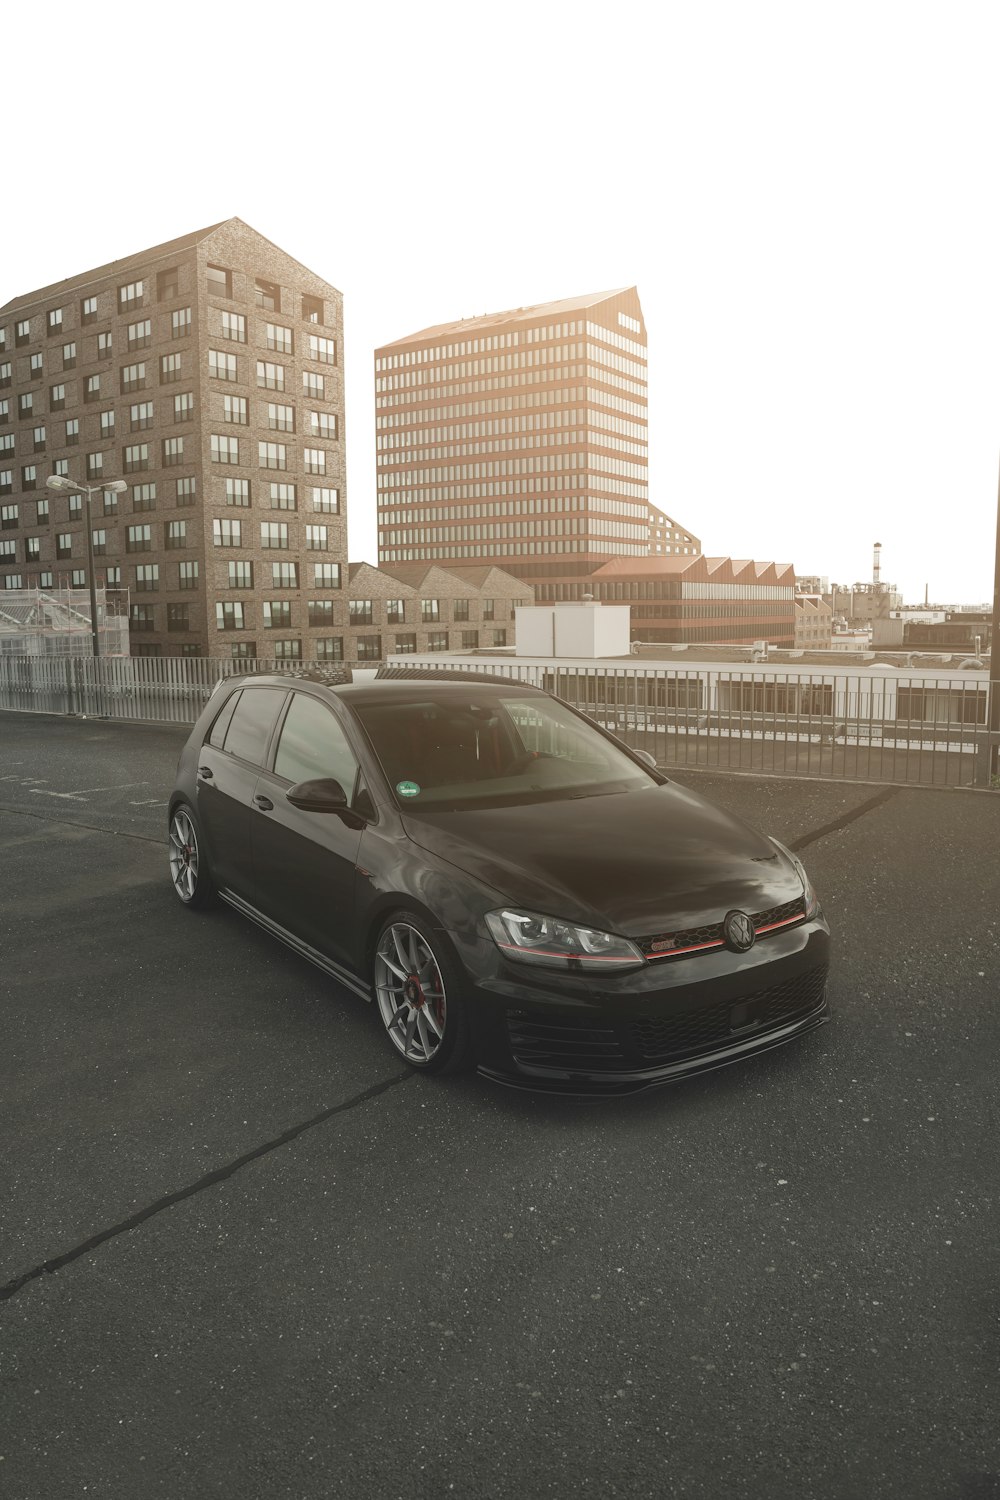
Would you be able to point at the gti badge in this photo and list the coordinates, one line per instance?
(739, 931)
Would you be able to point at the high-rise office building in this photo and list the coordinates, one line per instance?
(207, 373)
(519, 439)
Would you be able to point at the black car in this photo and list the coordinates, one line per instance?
(511, 885)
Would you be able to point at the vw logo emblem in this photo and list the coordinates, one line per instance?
(739, 931)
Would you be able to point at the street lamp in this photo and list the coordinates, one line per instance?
(117, 486)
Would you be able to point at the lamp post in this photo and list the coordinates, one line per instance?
(64, 483)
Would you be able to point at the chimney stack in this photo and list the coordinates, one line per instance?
(876, 567)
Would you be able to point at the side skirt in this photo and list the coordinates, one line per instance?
(336, 971)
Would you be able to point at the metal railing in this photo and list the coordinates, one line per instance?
(889, 726)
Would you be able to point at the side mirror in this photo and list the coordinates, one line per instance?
(646, 758)
(322, 796)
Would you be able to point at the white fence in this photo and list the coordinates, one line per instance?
(861, 726)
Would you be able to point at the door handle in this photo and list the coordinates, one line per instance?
(264, 803)
(205, 772)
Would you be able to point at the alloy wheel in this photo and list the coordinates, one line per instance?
(183, 855)
(410, 992)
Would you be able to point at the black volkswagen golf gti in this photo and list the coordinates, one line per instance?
(511, 885)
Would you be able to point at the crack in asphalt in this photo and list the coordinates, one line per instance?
(849, 817)
(118, 833)
(50, 1267)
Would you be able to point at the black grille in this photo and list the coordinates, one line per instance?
(564, 1043)
(689, 937)
(700, 1030)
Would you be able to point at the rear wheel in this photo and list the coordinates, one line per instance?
(418, 992)
(189, 872)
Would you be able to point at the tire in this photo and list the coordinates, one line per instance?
(418, 992)
(190, 875)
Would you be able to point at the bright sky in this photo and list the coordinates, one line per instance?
(805, 195)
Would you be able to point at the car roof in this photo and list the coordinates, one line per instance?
(408, 689)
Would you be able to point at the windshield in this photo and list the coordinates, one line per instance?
(491, 751)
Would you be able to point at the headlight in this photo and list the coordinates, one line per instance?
(535, 939)
(812, 900)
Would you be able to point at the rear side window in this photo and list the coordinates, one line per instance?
(252, 722)
(313, 745)
(218, 735)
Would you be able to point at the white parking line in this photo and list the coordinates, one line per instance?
(151, 802)
(84, 792)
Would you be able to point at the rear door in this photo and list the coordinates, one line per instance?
(228, 768)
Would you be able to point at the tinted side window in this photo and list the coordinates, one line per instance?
(313, 745)
(252, 722)
(218, 735)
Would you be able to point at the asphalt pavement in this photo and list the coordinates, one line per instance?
(243, 1253)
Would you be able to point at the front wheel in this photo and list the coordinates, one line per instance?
(189, 872)
(417, 987)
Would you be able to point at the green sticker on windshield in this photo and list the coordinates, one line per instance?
(407, 788)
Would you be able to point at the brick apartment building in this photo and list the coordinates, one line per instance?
(207, 373)
(412, 608)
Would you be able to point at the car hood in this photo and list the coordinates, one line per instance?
(636, 862)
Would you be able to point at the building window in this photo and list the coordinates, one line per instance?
(395, 611)
(323, 351)
(37, 366)
(314, 385)
(238, 492)
(6, 481)
(75, 507)
(437, 640)
(140, 335)
(241, 575)
(112, 577)
(284, 575)
(470, 640)
(99, 542)
(360, 611)
(270, 377)
(326, 575)
(72, 430)
(140, 416)
(321, 612)
(8, 518)
(243, 650)
(147, 577)
(178, 617)
(221, 366)
(430, 610)
(280, 418)
(55, 320)
(144, 497)
(267, 295)
(88, 309)
(279, 338)
(316, 539)
(170, 368)
(136, 457)
(229, 615)
(314, 460)
(499, 637)
(287, 650)
(175, 535)
(180, 322)
(369, 647)
(168, 284)
(323, 424)
(95, 465)
(277, 616)
(38, 439)
(184, 407)
(312, 309)
(227, 533)
(92, 389)
(133, 377)
(142, 617)
(272, 455)
(69, 356)
(488, 609)
(234, 409)
(45, 579)
(108, 423)
(33, 548)
(13, 581)
(139, 539)
(187, 490)
(461, 609)
(105, 346)
(5, 373)
(406, 644)
(234, 326)
(25, 404)
(274, 534)
(225, 450)
(283, 496)
(78, 579)
(130, 296)
(110, 500)
(22, 332)
(64, 544)
(330, 648)
(220, 281)
(173, 451)
(326, 500)
(187, 575)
